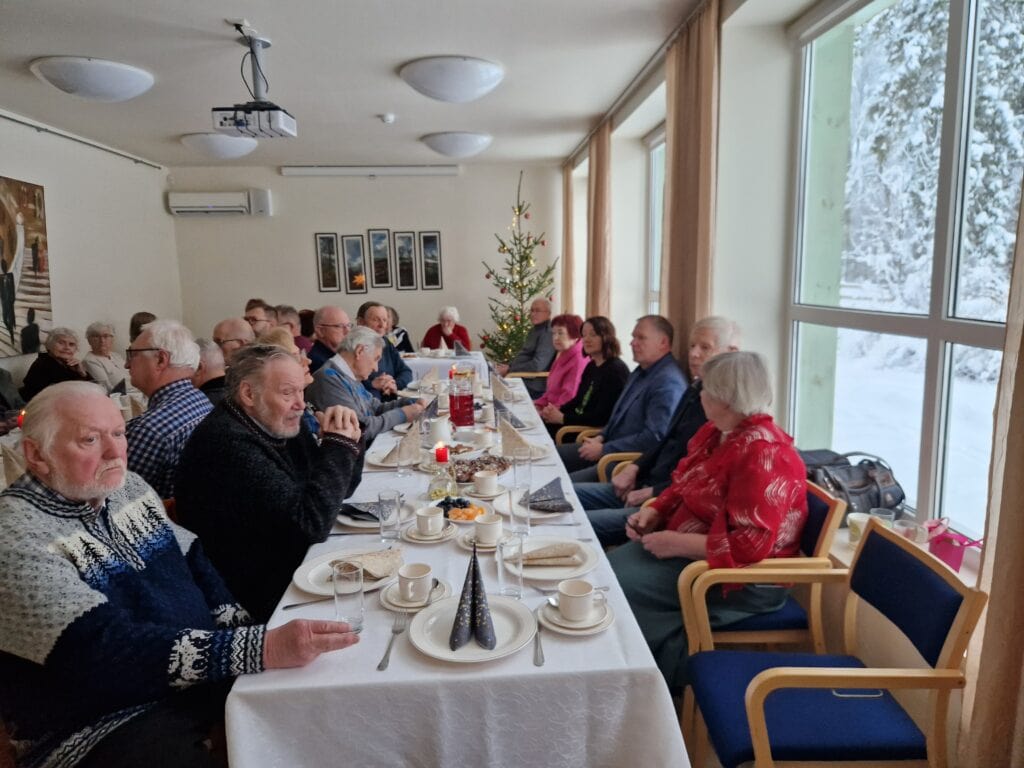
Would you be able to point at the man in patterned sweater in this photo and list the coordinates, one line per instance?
(117, 638)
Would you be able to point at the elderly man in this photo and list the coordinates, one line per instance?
(101, 363)
(260, 316)
(117, 637)
(161, 362)
(254, 484)
(609, 504)
(392, 374)
(231, 335)
(641, 415)
(339, 382)
(288, 317)
(538, 351)
(331, 325)
(209, 376)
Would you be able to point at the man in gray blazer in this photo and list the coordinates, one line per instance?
(538, 352)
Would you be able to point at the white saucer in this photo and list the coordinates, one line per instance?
(412, 535)
(597, 614)
(467, 538)
(550, 618)
(389, 597)
(501, 489)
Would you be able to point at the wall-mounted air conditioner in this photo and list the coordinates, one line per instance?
(250, 202)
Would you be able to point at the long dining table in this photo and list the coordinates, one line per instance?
(598, 700)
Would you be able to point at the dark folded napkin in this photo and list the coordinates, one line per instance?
(473, 616)
(460, 351)
(430, 412)
(364, 510)
(514, 420)
(550, 498)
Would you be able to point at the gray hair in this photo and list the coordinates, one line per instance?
(361, 336)
(42, 415)
(175, 339)
(98, 329)
(248, 364)
(60, 332)
(210, 353)
(287, 311)
(726, 331)
(740, 380)
(450, 312)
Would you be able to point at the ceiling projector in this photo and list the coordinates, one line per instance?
(258, 119)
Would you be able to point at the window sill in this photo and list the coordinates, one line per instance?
(842, 555)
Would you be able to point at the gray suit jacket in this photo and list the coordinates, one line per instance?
(537, 354)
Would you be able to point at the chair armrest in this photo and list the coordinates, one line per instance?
(622, 458)
(574, 429)
(527, 375)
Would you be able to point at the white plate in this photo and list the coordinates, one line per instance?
(413, 536)
(547, 612)
(403, 427)
(376, 459)
(389, 597)
(501, 489)
(536, 451)
(500, 504)
(466, 539)
(598, 613)
(431, 628)
(556, 572)
(314, 576)
(354, 522)
(482, 504)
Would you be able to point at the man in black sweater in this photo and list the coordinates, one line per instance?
(609, 504)
(254, 485)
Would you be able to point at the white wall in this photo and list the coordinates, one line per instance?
(111, 248)
(225, 261)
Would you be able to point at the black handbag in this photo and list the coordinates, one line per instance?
(866, 485)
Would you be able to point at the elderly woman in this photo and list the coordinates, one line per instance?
(105, 367)
(567, 369)
(602, 381)
(447, 330)
(737, 497)
(59, 362)
(339, 382)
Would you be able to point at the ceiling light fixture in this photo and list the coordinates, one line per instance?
(370, 171)
(95, 79)
(457, 143)
(452, 78)
(219, 146)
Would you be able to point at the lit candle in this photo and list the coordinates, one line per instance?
(21, 419)
(441, 453)
(451, 372)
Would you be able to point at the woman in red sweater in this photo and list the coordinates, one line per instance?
(738, 496)
(447, 329)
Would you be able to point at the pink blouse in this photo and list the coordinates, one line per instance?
(564, 377)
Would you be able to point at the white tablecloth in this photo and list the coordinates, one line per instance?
(420, 365)
(598, 700)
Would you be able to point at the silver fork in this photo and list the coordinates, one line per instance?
(401, 619)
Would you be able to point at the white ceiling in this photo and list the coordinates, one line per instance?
(333, 65)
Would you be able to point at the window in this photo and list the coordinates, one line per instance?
(655, 210)
(911, 163)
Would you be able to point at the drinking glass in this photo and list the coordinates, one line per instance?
(519, 509)
(510, 580)
(348, 594)
(389, 506)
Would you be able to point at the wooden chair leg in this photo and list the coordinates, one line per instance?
(686, 717)
(702, 746)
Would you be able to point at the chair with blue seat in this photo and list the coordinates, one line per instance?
(809, 708)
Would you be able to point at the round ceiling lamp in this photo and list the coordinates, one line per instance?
(94, 79)
(452, 78)
(457, 143)
(220, 146)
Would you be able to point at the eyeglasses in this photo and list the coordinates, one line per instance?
(346, 326)
(253, 320)
(130, 353)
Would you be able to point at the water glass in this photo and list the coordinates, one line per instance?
(348, 594)
(522, 466)
(510, 580)
(519, 509)
(389, 509)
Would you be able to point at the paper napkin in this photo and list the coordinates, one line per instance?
(460, 351)
(550, 498)
(500, 407)
(473, 616)
(443, 346)
(407, 450)
(500, 388)
(511, 441)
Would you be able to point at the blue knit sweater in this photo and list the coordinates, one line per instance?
(103, 613)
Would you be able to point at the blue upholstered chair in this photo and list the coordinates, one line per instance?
(799, 707)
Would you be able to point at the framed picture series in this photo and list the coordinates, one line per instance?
(404, 260)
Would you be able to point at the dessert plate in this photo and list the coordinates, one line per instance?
(514, 628)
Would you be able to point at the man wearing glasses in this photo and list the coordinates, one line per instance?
(161, 362)
(232, 334)
(261, 317)
(332, 326)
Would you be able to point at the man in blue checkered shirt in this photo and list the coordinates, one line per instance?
(162, 361)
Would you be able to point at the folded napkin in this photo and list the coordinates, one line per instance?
(430, 412)
(553, 554)
(362, 510)
(460, 351)
(473, 616)
(443, 347)
(407, 450)
(500, 407)
(14, 463)
(500, 388)
(376, 565)
(511, 441)
(550, 498)
(429, 378)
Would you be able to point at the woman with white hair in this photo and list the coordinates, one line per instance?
(105, 367)
(57, 362)
(737, 497)
(447, 330)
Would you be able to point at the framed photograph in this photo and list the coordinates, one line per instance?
(380, 257)
(405, 261)
(430, 260)
(327, 269)
(355, 263)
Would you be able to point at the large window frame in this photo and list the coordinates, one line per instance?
(939, 328)
(654, 142)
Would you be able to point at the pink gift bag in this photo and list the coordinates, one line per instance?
(949, 546)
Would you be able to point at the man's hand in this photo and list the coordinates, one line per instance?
(385, 384)
(298, 642)
(641, 522)
(552, 414)
(340, 420)
(624, 480)
(412, 410)
(638, 497)
(502, 369)
(592, 448)
(666, 544)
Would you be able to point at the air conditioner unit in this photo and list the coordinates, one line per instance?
(250, 202)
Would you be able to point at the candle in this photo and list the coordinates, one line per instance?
(441, 453)
(451, 372)
(21, 419)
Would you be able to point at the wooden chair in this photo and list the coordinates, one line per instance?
(562, 435)
(808, 709)
(526, 375)
(618, 461)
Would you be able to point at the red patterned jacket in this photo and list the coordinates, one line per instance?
(747, 491)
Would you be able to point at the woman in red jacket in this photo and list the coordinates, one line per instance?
(737, 497)
(447, 329)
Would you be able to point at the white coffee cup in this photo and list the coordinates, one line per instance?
(425, 351)
(857, 522)
(483, 437)
(576, 599)
(486, 482)
(487, 529)
(440, 430)
(487, 413)
(414, 582)
(430, 521)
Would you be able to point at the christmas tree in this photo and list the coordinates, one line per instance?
(519, 282)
